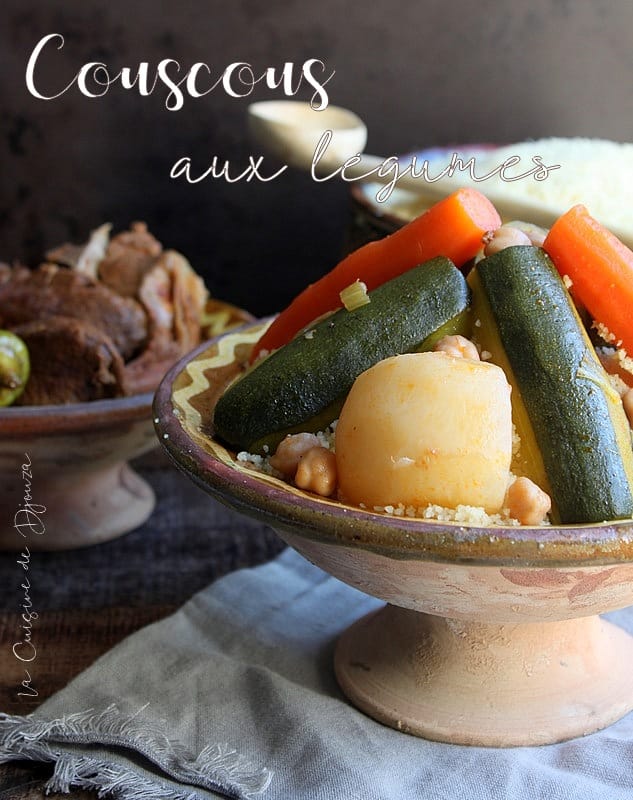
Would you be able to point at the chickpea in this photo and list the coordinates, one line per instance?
(535, 233)
(290, 450)
(506, 236)
(527, 502)
(457, 346)
(627, 402)
(317, 471)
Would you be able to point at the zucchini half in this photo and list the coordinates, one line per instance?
(575, 438)
(302, 386)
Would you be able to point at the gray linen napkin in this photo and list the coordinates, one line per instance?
(234, 696)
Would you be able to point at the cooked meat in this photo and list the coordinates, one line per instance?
(189, 295)
(109, 317)
(65, 255)
(145, 372)
(86, 257)
(56, 291)
(129, 256)
(72, 361)
(5, 275)
(155, 295)
(174, 298)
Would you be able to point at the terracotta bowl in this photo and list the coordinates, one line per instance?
(489, 636)
(77, 488)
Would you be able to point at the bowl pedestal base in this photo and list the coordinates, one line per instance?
(495, 685)
(82, 507)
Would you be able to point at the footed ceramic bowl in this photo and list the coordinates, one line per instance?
(488, 636)
(65, 481)
(77, 488)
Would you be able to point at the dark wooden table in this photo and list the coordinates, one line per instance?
(88, 600)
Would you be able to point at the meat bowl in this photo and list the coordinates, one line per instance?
(85, 338)
(489, 635)
(65, 480)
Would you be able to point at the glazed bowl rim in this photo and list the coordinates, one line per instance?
(69, 417)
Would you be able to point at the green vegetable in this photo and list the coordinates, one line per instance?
(302, 386)
(576, 416)
(15, 367)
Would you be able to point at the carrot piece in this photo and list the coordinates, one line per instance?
(600, 268)
(453, 227)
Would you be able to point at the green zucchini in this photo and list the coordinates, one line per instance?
(302, 386)
(576, 415)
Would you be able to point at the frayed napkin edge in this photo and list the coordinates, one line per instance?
(218, 768)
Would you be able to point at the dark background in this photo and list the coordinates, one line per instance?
(419, 73)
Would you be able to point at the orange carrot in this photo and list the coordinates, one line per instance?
(600, 268)
(453, 227)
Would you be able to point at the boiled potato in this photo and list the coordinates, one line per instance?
(426, 428)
